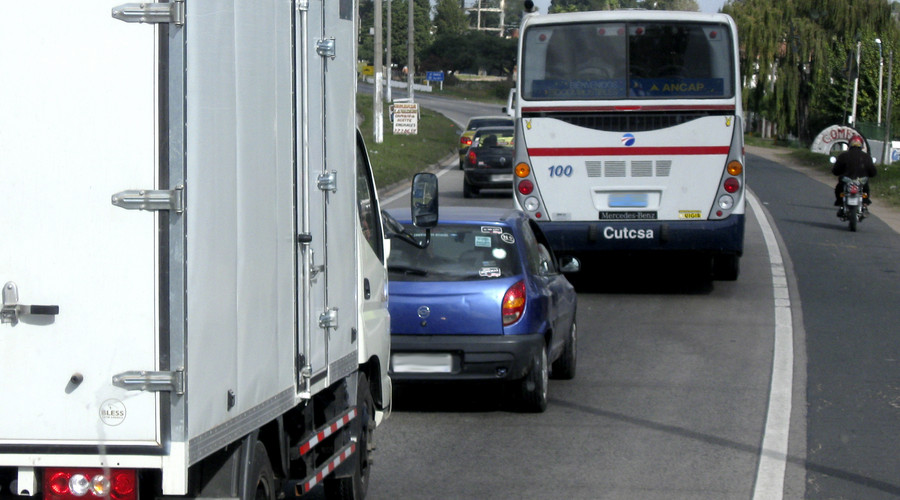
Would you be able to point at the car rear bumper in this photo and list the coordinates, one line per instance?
(471, 357)
(489, 178)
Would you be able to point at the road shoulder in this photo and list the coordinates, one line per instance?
(889, 215)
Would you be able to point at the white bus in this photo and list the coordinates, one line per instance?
(629, 134)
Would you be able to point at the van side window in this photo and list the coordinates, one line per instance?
(367, 205)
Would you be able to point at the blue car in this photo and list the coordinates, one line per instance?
(485, 300)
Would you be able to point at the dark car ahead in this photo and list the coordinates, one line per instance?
(488, 163)
(484, 301)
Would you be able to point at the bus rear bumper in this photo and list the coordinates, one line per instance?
(718, 237)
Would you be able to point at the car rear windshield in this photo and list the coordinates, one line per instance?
(458, 252)
(488, 137)
(490, 122)
(628, 60)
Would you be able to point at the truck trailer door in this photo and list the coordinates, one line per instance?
(78, 126)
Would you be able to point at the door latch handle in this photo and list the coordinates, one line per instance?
(11, 309)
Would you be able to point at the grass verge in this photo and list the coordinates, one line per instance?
(885, 186)
(400, 156)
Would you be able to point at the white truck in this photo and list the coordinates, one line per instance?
(192, 253)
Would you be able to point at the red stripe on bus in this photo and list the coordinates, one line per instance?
(632, 151)
(661, 107)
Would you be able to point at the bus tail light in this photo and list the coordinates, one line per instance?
(735, 168)
(513, 303)
(526, 187)
(71, 484)
(732, 184)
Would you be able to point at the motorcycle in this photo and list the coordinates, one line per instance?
(853, 205)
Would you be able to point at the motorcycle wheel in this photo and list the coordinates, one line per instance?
(853, 216)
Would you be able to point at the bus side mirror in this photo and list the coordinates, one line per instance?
(424, 200)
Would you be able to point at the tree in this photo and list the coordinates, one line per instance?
(793, 58)
(422, 37)
(449, 18)
(582, 5)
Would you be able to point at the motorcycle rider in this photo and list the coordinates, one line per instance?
(852, 163)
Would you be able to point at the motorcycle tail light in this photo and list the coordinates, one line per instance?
(854, 189)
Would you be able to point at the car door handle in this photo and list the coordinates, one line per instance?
(367, 290)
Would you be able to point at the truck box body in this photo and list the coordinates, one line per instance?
(183, 191)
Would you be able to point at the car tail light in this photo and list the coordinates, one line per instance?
(513, 303)
(472, 157)
(69, 484)
(465, 141)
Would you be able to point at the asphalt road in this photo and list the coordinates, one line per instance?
(674, 396)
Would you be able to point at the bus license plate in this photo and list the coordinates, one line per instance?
(628, 200)
(422, 362)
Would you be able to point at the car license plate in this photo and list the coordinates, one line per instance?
(502, 178)
(422, 363)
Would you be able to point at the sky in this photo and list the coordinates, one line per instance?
(710, 6)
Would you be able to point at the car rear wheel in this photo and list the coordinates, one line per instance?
(564, 367)
(533, 388)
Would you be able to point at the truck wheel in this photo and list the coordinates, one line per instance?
(564, 367)
(355, 486)
(261, 477)
(533, 388)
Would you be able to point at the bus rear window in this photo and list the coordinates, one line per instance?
(652, 60)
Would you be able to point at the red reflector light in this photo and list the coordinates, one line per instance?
(732, 185)
(526, 187)
(513, 303)
(471, 157)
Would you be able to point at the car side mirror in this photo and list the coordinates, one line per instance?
(569, 264)
(424, 200)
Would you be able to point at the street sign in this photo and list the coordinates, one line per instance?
(434, 76)
(405, 116)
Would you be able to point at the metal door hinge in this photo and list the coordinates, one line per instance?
(329, 318)
(327, 181)
(151, 381)
(149, 199)
(151, 13)
(326, 47)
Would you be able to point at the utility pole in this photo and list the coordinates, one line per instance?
(411, 49)
(376, 95)
(880, 77)
(886, 150)
(390, 42)
(856, 85)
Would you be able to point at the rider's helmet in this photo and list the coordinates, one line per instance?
(856, 141)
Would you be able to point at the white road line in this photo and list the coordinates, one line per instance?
(773, 456)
